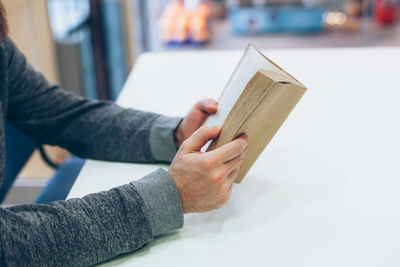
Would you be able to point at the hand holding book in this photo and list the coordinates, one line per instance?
(256, 100)
(194, 119)
(204, 180)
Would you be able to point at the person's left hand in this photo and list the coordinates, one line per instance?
(194, 119)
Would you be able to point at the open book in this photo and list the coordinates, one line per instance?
(256, 100)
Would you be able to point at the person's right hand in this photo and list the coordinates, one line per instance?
(204, 180)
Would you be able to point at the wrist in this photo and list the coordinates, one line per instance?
(161, 201)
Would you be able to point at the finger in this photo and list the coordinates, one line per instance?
(208, 106)
(200, 137)
(235, 162)
(230, 179)
(202, 109)
(231, 149)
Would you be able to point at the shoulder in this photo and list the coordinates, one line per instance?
(12, 57)
(6, 51)
(7, 45)
(3, 52)
(9, 49)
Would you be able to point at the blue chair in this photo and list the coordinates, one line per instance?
(19, 148)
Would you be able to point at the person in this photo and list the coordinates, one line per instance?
(100, 226)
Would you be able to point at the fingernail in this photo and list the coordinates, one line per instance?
(210, 105)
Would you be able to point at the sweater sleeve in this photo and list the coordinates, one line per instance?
(91, 129)
(96, 228)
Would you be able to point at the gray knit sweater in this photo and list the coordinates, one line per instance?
(98, 227)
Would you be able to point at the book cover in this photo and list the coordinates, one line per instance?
(256, 101)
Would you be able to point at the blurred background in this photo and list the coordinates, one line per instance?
(89, 46)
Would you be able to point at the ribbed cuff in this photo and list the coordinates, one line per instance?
(162, 143)
(162, 201)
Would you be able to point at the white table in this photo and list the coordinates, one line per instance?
(326, 191)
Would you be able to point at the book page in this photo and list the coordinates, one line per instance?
(251, 62)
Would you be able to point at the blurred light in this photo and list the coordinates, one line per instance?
(334, 18)
(67, 15)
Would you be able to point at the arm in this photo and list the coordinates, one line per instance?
(90, 129)
(98, 227)
(101, 226)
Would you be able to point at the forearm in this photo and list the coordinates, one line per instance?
(98, 227)
(91, 129)
(106, 131)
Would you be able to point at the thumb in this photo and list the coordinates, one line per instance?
(200, 137)
(208, 106)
